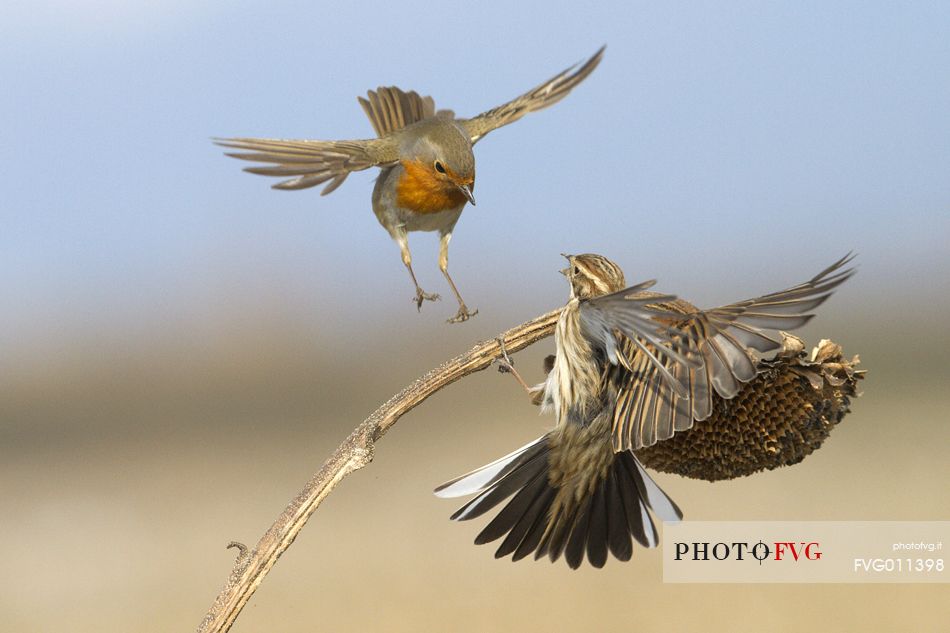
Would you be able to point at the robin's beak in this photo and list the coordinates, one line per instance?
(467, 190)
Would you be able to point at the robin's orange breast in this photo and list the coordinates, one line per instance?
(420, 189)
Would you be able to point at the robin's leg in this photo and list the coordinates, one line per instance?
(463, 314)
(407, 260)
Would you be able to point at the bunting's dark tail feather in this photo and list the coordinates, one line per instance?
(592, 512)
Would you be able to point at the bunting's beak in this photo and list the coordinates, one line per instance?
(467, 190)
(566, 271)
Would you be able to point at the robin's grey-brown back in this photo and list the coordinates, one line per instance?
(425, 156)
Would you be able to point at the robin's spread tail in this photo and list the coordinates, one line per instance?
(390, 109)
(594, 510)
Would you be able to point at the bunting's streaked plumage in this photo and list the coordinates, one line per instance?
(631, 369)
(425, 157)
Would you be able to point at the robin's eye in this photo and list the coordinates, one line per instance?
(439, 167)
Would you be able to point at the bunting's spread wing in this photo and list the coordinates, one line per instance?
(547, 94)
(720, 345)
(630, 323)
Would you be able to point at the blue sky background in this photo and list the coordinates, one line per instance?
(727, 149)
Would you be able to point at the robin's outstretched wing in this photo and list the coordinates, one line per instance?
(390, 109)
(311, 163)
(720, 345)
(547, 94)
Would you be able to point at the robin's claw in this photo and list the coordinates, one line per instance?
(462, 315)
(424, 296)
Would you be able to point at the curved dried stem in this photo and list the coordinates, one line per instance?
(354, 453)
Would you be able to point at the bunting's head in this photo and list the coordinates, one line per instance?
(592, 276)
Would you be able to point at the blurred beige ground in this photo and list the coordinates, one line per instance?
(125, 469)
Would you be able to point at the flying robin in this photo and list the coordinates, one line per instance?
(632, 368)
(427, 168)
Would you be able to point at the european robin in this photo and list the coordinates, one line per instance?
(631, 368)
(427, 167)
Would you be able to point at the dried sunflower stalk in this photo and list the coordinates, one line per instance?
(777, 419)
